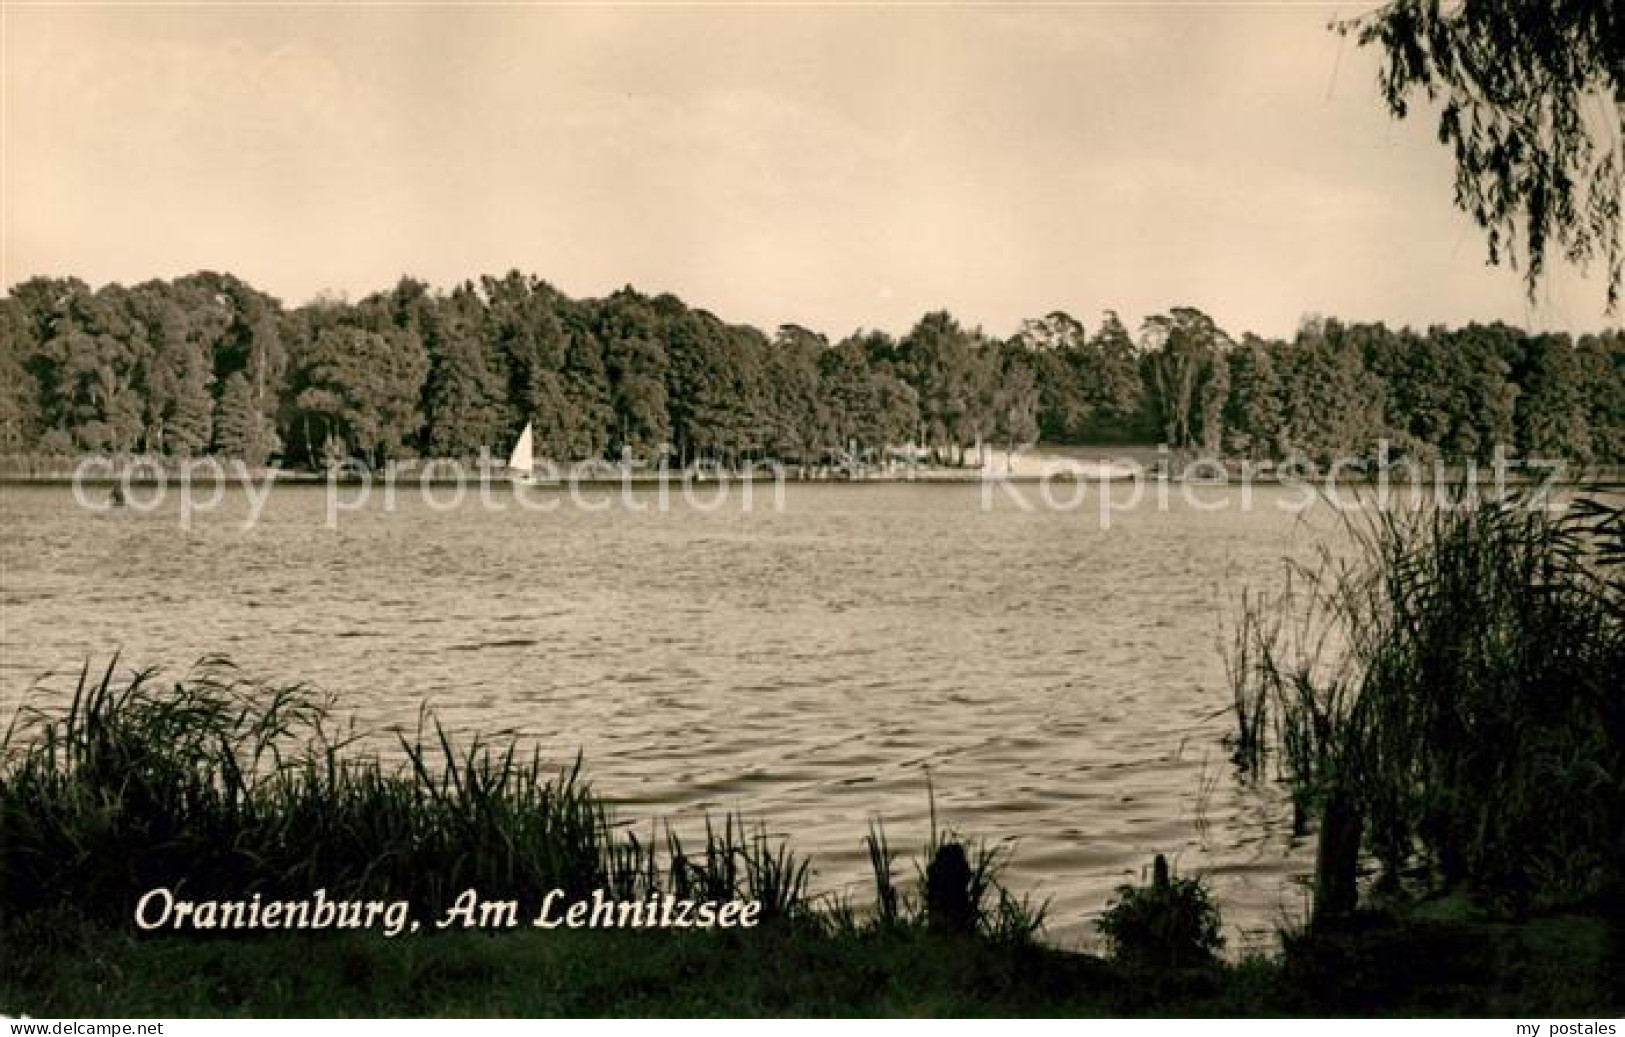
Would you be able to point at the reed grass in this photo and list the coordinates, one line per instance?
(1442, 692)
(227, 786)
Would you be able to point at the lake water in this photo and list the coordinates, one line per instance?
(807, 665)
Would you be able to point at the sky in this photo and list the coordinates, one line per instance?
(835, 166)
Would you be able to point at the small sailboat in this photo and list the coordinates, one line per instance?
(522, 461)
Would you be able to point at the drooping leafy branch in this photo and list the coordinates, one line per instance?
(1533, 96)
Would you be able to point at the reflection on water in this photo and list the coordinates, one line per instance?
(1062, 684)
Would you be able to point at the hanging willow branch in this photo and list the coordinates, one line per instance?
(1533, 98)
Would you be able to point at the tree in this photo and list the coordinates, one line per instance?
(19, 390)
(950, 368)
(525, 334)
(1602, 364)
(1115, 387)
(635, 358)
(1533, 95)
(1059, 362)
(41, 309)
(796, 412)
(586, 386)
(1483, 397)
(357, 391)
(1016, 401)
(466, 399)
(244, 431)
(897, 409)
(95, 353)
(849, 387)
(1188, 376)
(177, 376)
(747, 423)
(1254, 414)
(239, 330)
(698, 384)
(1334, 403)
(1553, 419)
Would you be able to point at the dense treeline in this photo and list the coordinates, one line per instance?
(208, 364)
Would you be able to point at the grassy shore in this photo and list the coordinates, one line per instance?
(232, 787)
(1568, 966)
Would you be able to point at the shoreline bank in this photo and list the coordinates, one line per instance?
(145, 476)
(1559, 966)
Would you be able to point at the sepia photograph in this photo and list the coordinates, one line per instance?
(802, 508)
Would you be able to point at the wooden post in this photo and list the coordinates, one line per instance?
(947, 892)
(1337, 859)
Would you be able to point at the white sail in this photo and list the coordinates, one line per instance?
(521, 460)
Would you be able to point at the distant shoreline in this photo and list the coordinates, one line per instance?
(1610, 478)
